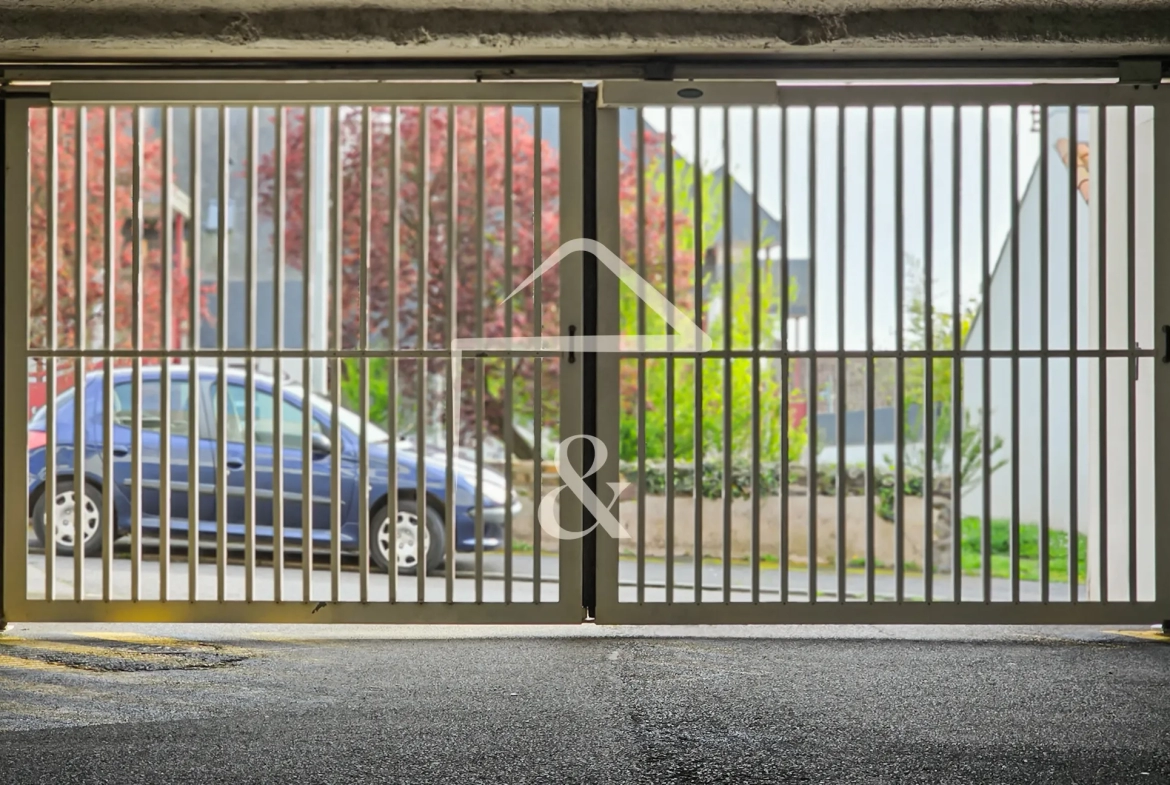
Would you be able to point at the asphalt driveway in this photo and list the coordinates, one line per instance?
(582, 705)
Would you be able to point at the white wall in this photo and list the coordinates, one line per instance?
(997, 313)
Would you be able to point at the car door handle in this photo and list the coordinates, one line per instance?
(235, 464)
(120, 452)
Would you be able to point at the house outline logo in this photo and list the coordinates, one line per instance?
(687, 337)
(693, 339)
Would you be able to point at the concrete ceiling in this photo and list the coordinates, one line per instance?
(387, 29)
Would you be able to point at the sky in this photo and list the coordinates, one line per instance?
(885, 214)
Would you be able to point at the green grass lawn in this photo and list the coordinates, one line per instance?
(1001, 564)
(972, 543)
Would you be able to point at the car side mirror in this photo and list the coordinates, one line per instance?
(321, 445)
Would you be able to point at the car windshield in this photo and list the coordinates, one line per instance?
(350, 420)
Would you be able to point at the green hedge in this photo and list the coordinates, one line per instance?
(654, 480)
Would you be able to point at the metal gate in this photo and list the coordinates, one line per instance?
(896, 280)
(842, 353)
(261, 286)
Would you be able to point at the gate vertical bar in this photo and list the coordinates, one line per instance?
(813, 396)
(139, 344)
(697, 485)
(79, 381)
(785, 362)
(841, 385)
(928, 361)
(454, 398)
(1102, 344)
(1073, 364)
(363, 499)
(1130, 338)
(640, 229)
(985, 442)
(728, 318)
(337, 266)
(900, 361)
(870, 486)
(53, 250)
(278, 263)
(168, 343)
(956, 418)
(509, 362)
(670, 296)
(395, 257)
(250, 264)
(307, 422)
(1044, 348)
(1014, 180)
(110, 340)
(755, 328)
(480, 240)
(194, 389)
(537, 331)
(221, 409)
(423, 237)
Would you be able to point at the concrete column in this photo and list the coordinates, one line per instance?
(1112, 273)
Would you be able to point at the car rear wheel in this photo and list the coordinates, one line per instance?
(397, 541)
(66, 510)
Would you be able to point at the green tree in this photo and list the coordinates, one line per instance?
(942, 340)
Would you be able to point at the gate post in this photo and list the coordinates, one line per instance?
(1161, 314)
(3, 350)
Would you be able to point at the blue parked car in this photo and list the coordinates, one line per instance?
(116, 481)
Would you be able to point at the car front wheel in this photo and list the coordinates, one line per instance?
(66, 510)
(397, 541)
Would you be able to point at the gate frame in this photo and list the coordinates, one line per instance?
(14, 605)
(120, 84)
(771, 94)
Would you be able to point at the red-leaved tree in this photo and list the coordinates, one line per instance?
(97, 228)
(401, 130)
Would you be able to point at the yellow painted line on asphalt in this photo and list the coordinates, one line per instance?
(173, 643)
(14, 663)
(80, 650)
(1146, 635)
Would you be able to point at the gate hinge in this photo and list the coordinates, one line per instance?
(1139, 72)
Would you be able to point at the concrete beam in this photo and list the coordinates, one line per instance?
(38, 30)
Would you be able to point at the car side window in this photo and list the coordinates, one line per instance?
(263, 420)
(151, 410)
(292, 426)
